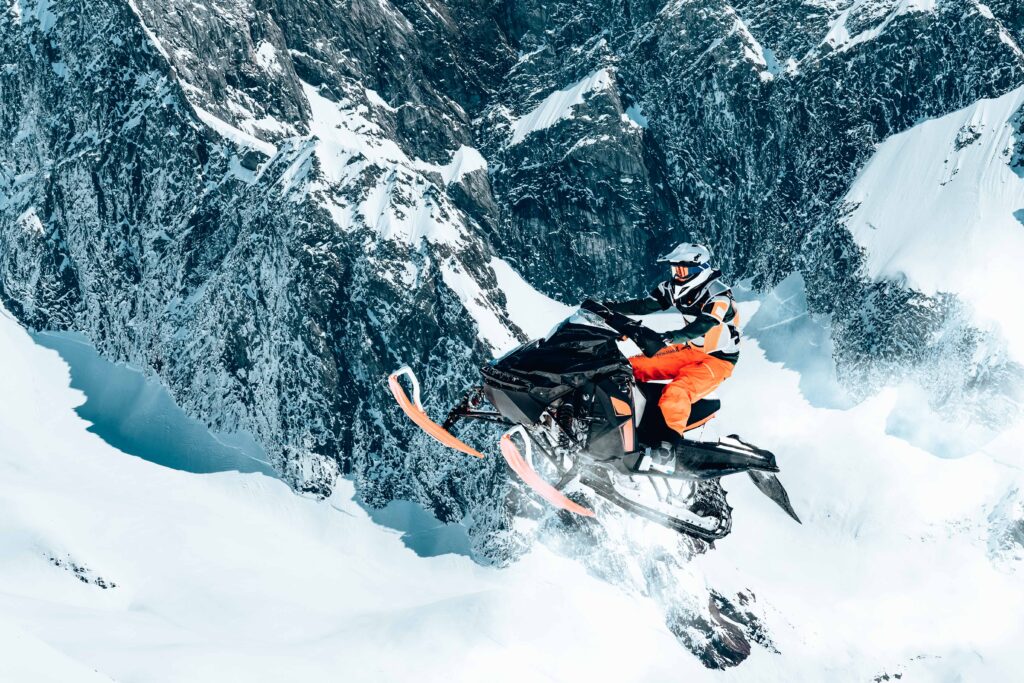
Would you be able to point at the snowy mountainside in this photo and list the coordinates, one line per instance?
(939, 207)
(156, 151)
(268, 206)
(110, 560)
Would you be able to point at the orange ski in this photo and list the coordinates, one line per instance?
(414, 409)
(546, 491)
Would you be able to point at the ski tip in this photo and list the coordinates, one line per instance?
(414, 411)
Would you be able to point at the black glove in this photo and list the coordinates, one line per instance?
(649, 341)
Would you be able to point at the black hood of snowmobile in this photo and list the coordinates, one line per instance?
(580, 350)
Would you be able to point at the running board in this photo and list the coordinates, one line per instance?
(414, 410)
(521, 467)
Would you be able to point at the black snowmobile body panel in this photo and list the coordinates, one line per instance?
(652, 430)
(612, 431)
(711, 461)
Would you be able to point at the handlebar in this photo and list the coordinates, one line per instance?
(649, 341)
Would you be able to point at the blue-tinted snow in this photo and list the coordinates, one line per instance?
(792, 337)
(139, 417)
(421, 532)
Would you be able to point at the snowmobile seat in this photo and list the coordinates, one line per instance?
(652, 429)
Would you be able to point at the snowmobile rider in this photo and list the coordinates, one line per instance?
(702, 354)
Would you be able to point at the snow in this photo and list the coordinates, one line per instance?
(559, 105)
(29, 222)
(635, 115)
(838, 36)
(40, 10)
(233, 576)
(229, 132)
(266, 57)
(347, 145)
(891, 570)
(490, 328)
(137, 415)
(464, 160)
(149, 33)
(376, 100)
(535, 313)
(938, 206)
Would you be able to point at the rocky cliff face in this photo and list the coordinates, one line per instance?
(271, 204)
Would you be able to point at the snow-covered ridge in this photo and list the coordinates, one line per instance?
(560, 104)
(873, 16)
(245, 580)
(939, 206)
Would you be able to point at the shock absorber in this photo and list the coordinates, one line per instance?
(566, 413)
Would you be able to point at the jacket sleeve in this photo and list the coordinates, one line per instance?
(712, 314)
(652, 303)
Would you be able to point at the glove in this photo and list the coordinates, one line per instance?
(649, 341)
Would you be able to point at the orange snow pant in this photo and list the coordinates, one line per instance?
(694, 375)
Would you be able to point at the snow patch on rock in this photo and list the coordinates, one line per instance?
(560, 104)
(464, 160)
(937, 207)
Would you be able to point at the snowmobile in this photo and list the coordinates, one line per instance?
(581, 420)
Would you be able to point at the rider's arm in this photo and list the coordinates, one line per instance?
(713, 313)
(652, 303)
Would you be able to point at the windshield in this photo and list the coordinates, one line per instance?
(581, 317)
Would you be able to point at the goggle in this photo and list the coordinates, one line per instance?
(681, 272)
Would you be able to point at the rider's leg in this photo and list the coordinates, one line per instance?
(693, 382)
(666, 364)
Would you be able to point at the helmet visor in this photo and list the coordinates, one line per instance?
(681, 272)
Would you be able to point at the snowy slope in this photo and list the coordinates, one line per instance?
(559, 105)
(939, 205)
(233, 577)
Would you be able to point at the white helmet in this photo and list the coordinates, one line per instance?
(691, 267)
(688, 254)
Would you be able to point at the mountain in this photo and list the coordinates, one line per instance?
(269, 205)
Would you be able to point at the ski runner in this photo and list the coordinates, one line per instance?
(702, 354)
